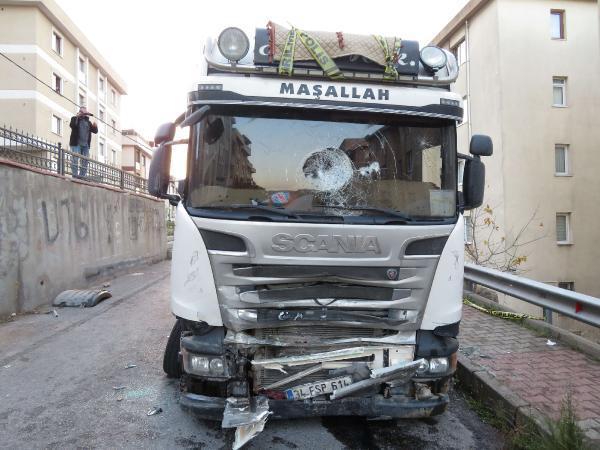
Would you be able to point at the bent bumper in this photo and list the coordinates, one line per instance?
(212, 408)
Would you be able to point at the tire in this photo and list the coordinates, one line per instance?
(171, 364)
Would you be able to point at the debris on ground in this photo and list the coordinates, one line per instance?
(119, 398)
(52, 311)
(248, 417)
(119, 388)
(130, 366)
(85, 298)
(154, 411)
(7, 366)
(551, 343)
(499, 313)
(13, 315)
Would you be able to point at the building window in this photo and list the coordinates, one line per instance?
(114, 126)
(557, 24)
(460, 51)
(82, 70)
(143, 161)
(101, 150)
(465, 110)
(56, 125)
(57, 43)
(559, 91)
(101, 119)
(113, 97)
(460, 172)
(570, 285)
(114, 157)
(101, 85)
(563, 228)
(468, 230)
(57, 83)
(81, 99)
(561, 159)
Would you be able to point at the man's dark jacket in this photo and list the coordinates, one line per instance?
(74, 124)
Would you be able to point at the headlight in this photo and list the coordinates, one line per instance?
(438, 365)
(233, 44)
(423, 367)
(433, 57)
(199, 363)
(204, 365)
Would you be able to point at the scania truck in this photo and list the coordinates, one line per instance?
(317, 266)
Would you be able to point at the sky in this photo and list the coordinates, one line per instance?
(156, 46)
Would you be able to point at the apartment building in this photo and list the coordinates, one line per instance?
(136, 154)
(529, 79)
(40, 37)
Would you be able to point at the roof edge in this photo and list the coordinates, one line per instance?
(66, 26)
(468, 11)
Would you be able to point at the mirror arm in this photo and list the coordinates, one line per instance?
(195, 117)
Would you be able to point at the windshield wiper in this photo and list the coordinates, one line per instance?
(386, 211)
(279, 211)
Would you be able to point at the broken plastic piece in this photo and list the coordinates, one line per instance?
(551, 343)
(241, 338)
(247, 416)
(118, 388)
(79, 298)
(294, 377)
(130, 366)
(404, 370)
(335, 355)
(154, 411)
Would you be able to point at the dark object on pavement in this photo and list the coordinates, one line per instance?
(171, 364)
(81, 298)
(154, 411)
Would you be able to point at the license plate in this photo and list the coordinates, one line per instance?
(319, 388)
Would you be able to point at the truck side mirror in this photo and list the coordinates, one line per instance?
(473, 183)
(481, 145)
(165, 133)
(159, 174)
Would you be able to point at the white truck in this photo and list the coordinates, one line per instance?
(318, 253)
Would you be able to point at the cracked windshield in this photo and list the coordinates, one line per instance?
(323, 166)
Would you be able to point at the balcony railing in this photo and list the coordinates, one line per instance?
(35, 152)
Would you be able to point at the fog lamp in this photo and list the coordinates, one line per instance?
(233, 44)
(433, 57)
(438, 365)
(216, 366)
(199, 363)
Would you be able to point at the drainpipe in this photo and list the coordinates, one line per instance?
(468, 42)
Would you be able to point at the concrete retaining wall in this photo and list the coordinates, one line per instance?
(57, 234)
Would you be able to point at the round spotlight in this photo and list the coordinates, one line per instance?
(233, 44)
(433, 57)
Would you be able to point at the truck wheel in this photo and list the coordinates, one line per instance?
(171, 364)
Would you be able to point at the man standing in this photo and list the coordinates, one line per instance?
(81, 136)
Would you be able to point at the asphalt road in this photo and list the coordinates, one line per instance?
(58, 374)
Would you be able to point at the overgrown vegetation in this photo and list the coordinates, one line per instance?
(170, 227)
(563, 434)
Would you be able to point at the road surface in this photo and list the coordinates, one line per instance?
(58, 374)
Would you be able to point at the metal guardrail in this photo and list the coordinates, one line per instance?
(33, 151)
(584, 308)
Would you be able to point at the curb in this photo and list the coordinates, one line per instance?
(566, 337)
(510, 408)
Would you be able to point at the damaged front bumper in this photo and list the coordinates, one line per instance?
(212, 408)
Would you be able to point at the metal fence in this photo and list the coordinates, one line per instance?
(584, 308)
(32, 151)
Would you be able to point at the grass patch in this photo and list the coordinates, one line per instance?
(170, 227)
(563, 434)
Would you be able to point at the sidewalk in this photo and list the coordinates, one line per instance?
(534, 375)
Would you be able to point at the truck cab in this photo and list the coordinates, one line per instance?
(318, 251)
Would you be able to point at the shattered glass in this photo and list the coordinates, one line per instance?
(321, 164)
